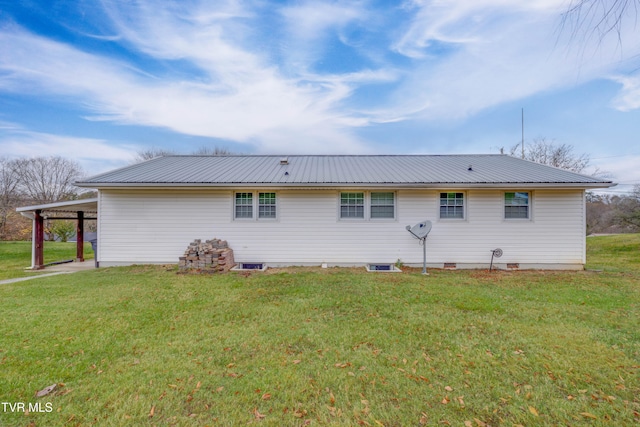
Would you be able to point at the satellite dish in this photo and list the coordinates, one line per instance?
(420, 230)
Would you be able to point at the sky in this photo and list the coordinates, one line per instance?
(99, 80)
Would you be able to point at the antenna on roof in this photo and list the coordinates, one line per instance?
(523, 132)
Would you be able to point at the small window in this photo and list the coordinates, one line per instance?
(244, 205)
(266, 205)
(516, 205)
(351, 205)
(452, 205)
(382, 205)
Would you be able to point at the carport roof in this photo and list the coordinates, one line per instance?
(84, 205)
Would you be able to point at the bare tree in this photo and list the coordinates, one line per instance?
(628, 210)
(547, 152)
(47, 179)
(212, 151)
(9, 196)
(151, 153)
(599, 17)
(599, 213)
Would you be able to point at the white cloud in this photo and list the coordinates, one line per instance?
(623, 170)
(463, 21)
(473, 55)
(94, 155)
(629, 96)
(202, 68)
(309, 23)
(239, 95)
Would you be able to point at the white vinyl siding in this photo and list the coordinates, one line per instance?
(155, 226)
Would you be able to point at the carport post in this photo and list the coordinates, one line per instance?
(80, 237)
(39, 242)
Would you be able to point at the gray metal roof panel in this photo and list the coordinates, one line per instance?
(340, 169)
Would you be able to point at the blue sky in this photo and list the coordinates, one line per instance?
(99, 80)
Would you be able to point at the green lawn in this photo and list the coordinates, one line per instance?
(15, 257)
(147, 346)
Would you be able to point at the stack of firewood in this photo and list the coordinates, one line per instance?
(210, 255)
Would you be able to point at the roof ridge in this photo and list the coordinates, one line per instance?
(337, 155)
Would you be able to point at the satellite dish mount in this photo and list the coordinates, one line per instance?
(494, 253)
(420, 231)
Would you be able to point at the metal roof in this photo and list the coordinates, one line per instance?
(84, 205)
(488, 170)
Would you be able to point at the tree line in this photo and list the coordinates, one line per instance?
(35, 181)
(608, 213)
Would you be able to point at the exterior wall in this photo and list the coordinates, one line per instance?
(155, 226)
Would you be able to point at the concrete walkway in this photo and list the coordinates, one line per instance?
(55, 270)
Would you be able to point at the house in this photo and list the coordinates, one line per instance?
(345, 210)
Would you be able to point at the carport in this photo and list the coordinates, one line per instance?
(76, 210)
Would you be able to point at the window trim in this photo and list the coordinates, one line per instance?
(440, 206)
(394, 206)
(236, 205)
(274, 205)
(529, 206)
(367, 205)
(341, 205)
(255, 205)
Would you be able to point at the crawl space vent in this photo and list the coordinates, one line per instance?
(250, 266)
(383, 268)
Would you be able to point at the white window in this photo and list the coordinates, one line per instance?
(267, 205)
(516, 205)
(352, 205)
(382, 205)
(246, 203)
(452, 205)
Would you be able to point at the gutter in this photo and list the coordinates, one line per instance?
(318, 186)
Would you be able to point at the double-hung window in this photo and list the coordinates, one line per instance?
(382, 205)
(368, 205)
(352, 205)
(267, 205)
(452, 205)
(244, 205)
(516, 205)
(247, 204)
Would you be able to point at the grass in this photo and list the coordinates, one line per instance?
(614, 253)
(144, 345)
(15, 257)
